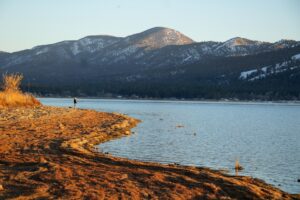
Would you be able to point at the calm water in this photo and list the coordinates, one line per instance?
(264, 137)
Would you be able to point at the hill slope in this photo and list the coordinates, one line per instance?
(160, 62)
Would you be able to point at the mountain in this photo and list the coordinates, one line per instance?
(157, 37)
(160, 62)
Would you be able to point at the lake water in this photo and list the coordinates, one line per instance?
(264, 137)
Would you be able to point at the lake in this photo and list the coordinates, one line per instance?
(264, 137)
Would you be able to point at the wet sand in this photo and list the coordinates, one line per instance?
(49, 153)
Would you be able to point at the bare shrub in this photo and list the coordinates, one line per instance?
(12, 96)
(11, 82)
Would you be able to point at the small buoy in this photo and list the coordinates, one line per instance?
(298, 180)
(194, 134)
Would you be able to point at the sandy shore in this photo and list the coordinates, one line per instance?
(48, 153)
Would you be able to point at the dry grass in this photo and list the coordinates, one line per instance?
(11, 82)
(237, 165)
(12, 96)
(15, 99)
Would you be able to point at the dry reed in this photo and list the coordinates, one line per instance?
(237, 165)
(12, 96)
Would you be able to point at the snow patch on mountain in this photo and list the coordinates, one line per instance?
(187, 58)
(245, 74)
(296, 57)
(91, 44)
(88, 41)
(238, 41)
(75, 48)
(263, 72)
(42, 50)
(125, 52)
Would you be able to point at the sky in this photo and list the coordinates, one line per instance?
(25, 24)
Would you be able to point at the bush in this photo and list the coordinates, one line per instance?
(12, 96)
(12, 82)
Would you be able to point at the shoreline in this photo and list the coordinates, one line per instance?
(49, 152)
(239, 102)
(222, 100)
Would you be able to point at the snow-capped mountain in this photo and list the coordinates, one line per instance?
(154, 47)
(89, 44)
(240, 46)
(155, 54)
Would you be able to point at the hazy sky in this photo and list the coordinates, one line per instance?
(27, 23)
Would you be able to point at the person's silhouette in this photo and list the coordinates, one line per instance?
(75, 102)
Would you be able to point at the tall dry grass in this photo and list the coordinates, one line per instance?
(12, 82)
(237, 165)
(12, 96)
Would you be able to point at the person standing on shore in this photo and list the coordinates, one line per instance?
(75, 102)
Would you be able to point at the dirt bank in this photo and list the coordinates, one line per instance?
(48, 153)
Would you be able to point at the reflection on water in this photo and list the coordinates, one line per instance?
(263, 137)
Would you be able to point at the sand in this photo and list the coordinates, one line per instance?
(49, 153)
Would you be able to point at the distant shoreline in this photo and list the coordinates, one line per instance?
(296, 102)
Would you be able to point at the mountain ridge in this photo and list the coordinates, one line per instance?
(155, 56)
(157, 29)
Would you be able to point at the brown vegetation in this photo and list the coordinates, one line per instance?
(11, 96)
(237, 165)
(48, 153)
